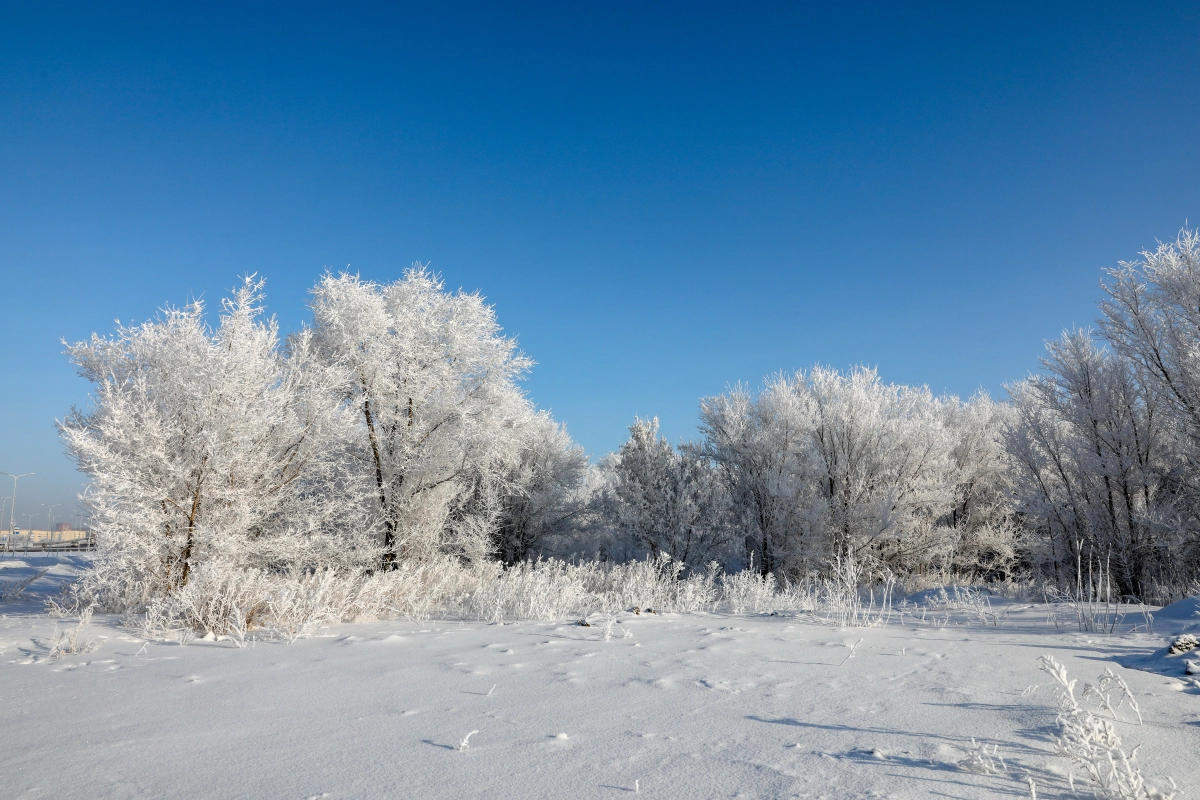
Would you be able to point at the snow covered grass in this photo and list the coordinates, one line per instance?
(973, 600)
(1091, 741)
(1091, 599)
(13, 589)
(227, 601)
(68, 643)
(843, 597)
(984, 761)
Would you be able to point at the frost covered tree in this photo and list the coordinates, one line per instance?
(667, 501)
(546, 497)
(434, 386)
(825, 464)
(979, 535)
(1152, 318)
(209, 445)
(1093, 464)
(762, 445)
(883, 456)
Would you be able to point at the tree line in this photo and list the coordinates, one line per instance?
(393, 428)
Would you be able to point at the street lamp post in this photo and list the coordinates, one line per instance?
(29, 533)
(49, 523)
(3, 506)
(49, 511)
(12, 514)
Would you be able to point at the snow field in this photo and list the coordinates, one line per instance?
(688, 705)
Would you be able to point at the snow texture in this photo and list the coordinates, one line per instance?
(688, 705)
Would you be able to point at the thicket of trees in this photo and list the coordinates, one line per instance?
(394, 430)
(824, 465)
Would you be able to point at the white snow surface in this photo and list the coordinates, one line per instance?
(1179, 617)
(687, 706)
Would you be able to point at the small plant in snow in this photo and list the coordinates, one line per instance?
(974, 601)
(749, 590)
(853, 647)
(1092, 601)
(1092, 741)
(1103, 690)
(983, 761)
(69, 644)
(12, 590)
(842, 598)
(236, 628)
(466, 742)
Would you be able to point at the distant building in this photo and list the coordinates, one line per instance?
(63, 526)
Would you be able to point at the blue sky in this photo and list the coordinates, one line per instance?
(659, 200)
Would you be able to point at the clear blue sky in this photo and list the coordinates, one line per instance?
(659, 200)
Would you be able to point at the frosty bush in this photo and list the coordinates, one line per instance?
(225, 601)
(553, 589)
(69, 643)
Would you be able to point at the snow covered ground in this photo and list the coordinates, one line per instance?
(670, 706)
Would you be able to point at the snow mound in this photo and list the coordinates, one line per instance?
(1178, 617)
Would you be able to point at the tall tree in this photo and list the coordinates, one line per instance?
(1092, 458)
(668, 501)
(762, 445)
(207, 445)
(434, 385)
(545, 499)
